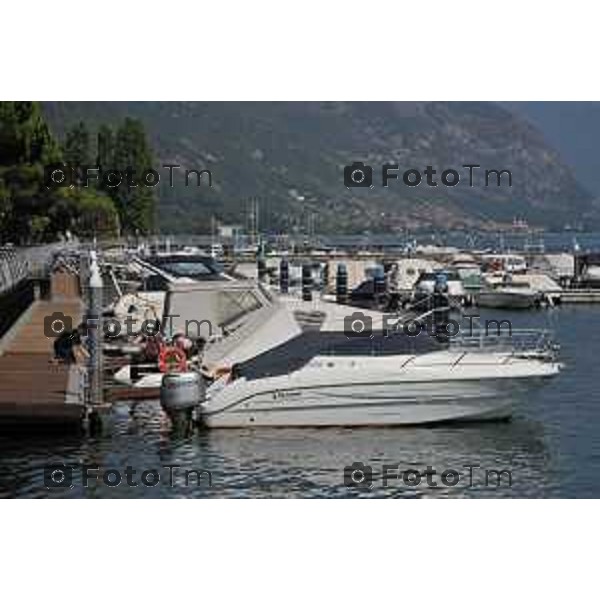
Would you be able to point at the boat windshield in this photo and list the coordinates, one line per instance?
(235, 304)
(188, 269)
(200, 268)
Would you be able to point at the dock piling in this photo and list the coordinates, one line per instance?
(307, 282)
(284, 276)
(94, 330)
(341, 284)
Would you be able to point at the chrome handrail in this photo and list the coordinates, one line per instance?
(517, 341)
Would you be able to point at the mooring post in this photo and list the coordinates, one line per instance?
(84, 277)
(325, 277)
(307, 282)
(94, 332)
(341, 284)
(261, 267)
(379, 283)
(284, 276)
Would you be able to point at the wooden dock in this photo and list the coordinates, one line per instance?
(33, 389)
(37, 391)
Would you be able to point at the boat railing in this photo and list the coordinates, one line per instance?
(522, 342)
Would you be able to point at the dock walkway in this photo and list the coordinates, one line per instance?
(32, 388)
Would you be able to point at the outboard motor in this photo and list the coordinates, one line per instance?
(341, 284)
(180, 393)
(284, 276)
(307, 283)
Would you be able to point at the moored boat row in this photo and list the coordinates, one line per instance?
(287, 359)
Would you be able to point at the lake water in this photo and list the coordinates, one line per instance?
(551, 446)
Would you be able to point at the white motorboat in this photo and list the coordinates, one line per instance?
(198, 309)
(512, 291)
(298, 367)
(466, 266)
(281, 361)
(508, 297)
(506, 263)
(591, 276)
(410, 269)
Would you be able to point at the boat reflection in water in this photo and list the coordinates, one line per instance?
(270, 462)
(311, 462)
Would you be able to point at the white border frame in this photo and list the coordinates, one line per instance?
(259, 50)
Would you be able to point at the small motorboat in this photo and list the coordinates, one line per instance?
(508, 297)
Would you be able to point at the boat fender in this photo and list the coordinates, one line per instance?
(171, 360)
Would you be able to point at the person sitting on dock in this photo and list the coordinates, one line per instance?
(68, 346)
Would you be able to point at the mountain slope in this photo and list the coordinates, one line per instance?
(291, 156)
(573, 128)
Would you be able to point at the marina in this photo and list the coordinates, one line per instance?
(276, 352)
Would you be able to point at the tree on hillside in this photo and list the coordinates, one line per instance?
(105, 147)
(26, 146)
(30, 210)
(136, 205)
(24, 135)
(105, 155)
(97, 214)
(77, 148)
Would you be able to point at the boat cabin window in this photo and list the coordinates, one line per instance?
(449, 276)
(299, 351)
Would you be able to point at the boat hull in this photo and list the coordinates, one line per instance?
(390, 403)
